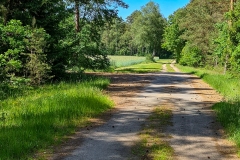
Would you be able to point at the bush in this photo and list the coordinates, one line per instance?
(150, 58)
(190, 56)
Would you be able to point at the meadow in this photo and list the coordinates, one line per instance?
(121, 61)
(144, 67)
(41, 117)
(228, 111)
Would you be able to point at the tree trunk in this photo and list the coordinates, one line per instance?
(232, 4)
(6, 13)
(216, 61)
(225, 64)
(77, 28)
(154, 53)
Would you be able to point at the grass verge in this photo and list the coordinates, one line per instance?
(151, 144)
(42, 117)
(228, 111)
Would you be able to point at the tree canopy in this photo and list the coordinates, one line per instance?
(41, 39)
(205, 33)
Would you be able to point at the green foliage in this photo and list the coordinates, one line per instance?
(36, 65)
(23, 52)
(149, 58)
(12, 36)
(191, 56)
(141, 34)
(235, 38)
(50, 43)
(171, 37)
(148, 27)
(83, 48)
(194, 27)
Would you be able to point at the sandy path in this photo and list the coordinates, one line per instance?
(194, 135)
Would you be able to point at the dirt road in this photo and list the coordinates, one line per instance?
(195, 134)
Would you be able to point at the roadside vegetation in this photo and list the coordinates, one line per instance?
(228, 111)
(42, 117)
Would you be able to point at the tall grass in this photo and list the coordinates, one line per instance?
(42, 117)
(228, 112)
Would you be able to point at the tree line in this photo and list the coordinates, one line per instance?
(140, 34)
(205, 33)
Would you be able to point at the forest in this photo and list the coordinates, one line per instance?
(40, 40)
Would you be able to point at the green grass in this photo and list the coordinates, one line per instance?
(144, 67)
(123, 61)
(152, 144)
(169, 68)
(228, 112)
(141, 68)
(42, 117)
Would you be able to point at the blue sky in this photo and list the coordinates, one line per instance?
(167, 7)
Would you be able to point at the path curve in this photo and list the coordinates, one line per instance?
(193, 134)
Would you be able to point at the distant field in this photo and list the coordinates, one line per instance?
(144, 67)
(121, 61)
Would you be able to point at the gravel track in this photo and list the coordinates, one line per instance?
(195, 134)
